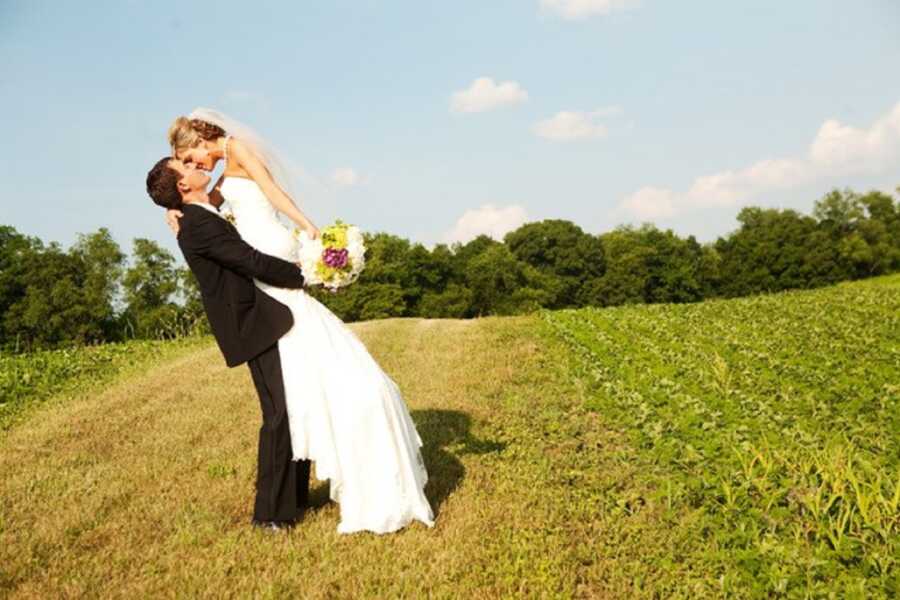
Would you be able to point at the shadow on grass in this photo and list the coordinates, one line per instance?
(445, 436)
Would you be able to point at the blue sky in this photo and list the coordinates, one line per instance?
(440, 120)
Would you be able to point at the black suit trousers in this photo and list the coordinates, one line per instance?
(282, 484)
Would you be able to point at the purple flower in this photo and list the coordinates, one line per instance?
(334, 257)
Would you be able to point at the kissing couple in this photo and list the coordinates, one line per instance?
(324, 398)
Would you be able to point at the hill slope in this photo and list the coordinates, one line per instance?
(146, 488)
(569, 453)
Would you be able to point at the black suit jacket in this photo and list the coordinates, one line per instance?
(244, 319)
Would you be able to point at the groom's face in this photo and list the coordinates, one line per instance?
(192, 180)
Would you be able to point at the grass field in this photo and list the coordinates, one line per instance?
(27, 380)
(744, 448)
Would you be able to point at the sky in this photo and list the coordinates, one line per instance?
(438, 121)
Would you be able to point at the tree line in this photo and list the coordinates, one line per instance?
(94, 293)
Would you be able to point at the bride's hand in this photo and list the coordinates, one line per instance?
(312, 231)
(172, 217)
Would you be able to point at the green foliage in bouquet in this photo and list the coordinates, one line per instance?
(335, 236)
(329, 273)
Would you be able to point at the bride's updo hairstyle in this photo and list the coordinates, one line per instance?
(189, 133)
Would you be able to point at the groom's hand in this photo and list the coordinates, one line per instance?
(172, 217)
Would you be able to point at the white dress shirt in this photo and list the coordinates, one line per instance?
(209, 207)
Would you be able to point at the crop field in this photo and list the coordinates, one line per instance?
(28, 379)
(771, 428)
(742, 448)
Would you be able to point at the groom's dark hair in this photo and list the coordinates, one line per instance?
(162, 184)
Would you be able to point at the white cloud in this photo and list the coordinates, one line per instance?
(582, 9)
(650, 203)
(489, 219)
(345, 177)
(858, 150)
(836, 150)
(484, 94)
(568, 125)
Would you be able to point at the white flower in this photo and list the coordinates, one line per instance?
(309, 255)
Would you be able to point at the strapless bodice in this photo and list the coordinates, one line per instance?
(257, 220)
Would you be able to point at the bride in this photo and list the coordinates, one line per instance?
(345, 413)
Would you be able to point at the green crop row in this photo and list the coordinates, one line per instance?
(775, 417)
(27, 379)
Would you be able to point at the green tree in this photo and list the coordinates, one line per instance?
(864, 230)
(646, 264)
(562, 250)
(362, 301)
(103, 263)
(453, 302)
(627, 270)
(464, 253)
(150, 284)
(382, 301)
(52, 310)
(839, 211)
(51, 297)
(430, 272)
(709, 271)
(193, 311)
(15, 250)
(387, 264)
(882, 231)
(775, 250)
(501, 284)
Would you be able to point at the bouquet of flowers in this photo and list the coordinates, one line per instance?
(335, 259)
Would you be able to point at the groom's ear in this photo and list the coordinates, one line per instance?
(182, 185)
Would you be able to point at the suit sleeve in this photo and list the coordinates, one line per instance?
(213, 238)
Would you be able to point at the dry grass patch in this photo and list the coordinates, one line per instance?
(145, 488)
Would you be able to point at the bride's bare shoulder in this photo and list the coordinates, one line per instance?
(241, 150)
(246, 160)
(237, 146)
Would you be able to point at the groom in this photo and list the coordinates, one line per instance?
(247, 324)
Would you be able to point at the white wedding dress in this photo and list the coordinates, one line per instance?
(345, 413)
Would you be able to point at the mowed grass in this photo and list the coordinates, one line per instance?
(744, 448)
(145, 489)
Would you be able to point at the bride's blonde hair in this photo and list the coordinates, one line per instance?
(189, 133)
